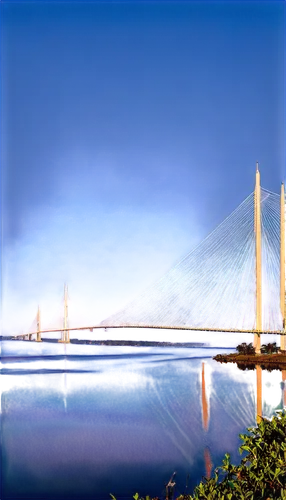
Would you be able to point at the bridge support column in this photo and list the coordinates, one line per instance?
(283, 341)
(282, 266)
(38, 338)
(257, 343)
(257, 229)
(65, 338)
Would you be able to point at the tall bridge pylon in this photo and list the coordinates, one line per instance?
(258, 258)
(38, 337)
(65, 338)
(66, 316)
(65, 334)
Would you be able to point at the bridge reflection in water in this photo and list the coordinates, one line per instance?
(268, 387)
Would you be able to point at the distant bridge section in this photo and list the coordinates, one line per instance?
(135, 333)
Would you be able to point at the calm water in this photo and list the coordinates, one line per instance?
(80, 422)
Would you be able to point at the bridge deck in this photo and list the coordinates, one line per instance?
(161, 327)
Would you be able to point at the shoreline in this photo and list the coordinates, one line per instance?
(272, 361)
(130, 343)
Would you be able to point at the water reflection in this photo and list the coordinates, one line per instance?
(264, 408)
(205, 390)
(208, 463)
(121, 420)
(258, 393)
(284, 387)
(268, 387)
(205, 401)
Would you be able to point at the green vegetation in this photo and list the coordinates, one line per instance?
(269, 348)
(245, 348)
(261, 474)
(245, 356)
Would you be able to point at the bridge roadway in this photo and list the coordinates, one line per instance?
(161, 327)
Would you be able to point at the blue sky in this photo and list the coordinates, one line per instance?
(129, 131)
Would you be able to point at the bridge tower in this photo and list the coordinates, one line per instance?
(257, 229)
(282, 266)
(38, 338)
(65, 333)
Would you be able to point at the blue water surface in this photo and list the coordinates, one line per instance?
(81, 422)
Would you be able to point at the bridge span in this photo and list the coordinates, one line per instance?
(232, 282)
(145, 331)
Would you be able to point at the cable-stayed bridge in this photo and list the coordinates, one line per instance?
(233, 281)
(215, 284)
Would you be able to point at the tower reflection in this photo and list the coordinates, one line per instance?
(274, 396)
(208, 462)
(205, 381)
(66, 378)
(284, 388)
(258, 393)
(205, 403)
(268, 407)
